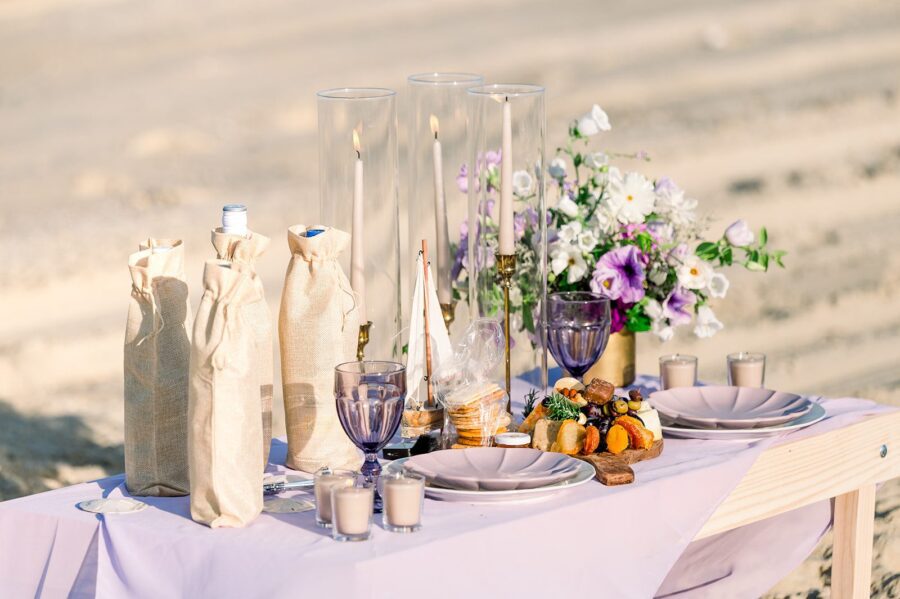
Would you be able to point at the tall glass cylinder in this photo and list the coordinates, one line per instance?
(437, 204)
(358, 193)
(507, 129)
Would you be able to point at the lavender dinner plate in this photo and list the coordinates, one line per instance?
(729, 407)
(493, 468)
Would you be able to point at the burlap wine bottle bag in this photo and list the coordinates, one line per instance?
(245, 250)
(225, 434)
(157, 353)
(318, 328)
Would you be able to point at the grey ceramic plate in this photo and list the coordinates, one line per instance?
(816, 414)
(729, 407)
(493, 468)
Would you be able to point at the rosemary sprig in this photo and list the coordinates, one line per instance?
(530, 400)
(560, 408)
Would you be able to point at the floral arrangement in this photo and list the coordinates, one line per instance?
(638, 242)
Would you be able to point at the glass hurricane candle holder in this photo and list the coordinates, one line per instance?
(677, 370)
(507, 129)
(325, 482)
(436, 205)
(352, 509)
(358, 193)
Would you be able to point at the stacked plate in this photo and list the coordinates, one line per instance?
(492, 474)
(732, 412)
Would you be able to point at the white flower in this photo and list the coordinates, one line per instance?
(694, 273)
(603, 220)
(596, 160)
(557, 168)
(658, 275)
(739, 234)
(707, 323)
(653, 309)
(718, 285)
(611, 173)
(632, 198)
(662, 330)
(568, 207)
(568, 257)
(523, 183)
(587, 240)
(570, 231)
(671, 201)
(593, 122)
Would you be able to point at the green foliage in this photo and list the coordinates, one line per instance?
(530, 400)
(560, 408)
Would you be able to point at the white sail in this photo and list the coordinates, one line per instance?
(441, 349)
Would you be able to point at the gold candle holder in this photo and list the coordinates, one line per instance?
(363, 340)
(506, 268)
(449, 312)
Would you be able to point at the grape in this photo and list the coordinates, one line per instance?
(591, 410)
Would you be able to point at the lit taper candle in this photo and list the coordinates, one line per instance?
(442, 237)
(357, 254)
(507, 237)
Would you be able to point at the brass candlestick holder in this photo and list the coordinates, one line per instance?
(506, 268)
(363, 340)
(449, 313)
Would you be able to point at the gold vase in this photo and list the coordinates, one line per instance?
(616, 365)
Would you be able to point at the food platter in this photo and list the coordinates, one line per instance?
(585, 474)
(815, 414)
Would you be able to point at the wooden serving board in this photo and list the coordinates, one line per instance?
(615, 470)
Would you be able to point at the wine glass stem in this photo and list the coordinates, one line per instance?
(371, 469)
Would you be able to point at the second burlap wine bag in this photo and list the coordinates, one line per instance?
(318, 328)
(245, 250)
(157, 353)
(225, 433)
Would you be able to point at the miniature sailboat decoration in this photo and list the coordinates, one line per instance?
(429, 346)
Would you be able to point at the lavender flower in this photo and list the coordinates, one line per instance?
(678, 307)
(619, 275)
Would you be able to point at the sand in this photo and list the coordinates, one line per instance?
(119, 119)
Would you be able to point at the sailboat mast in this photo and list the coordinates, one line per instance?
(430, 401)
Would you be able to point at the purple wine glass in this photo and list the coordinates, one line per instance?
(369, 397)
(577, 329)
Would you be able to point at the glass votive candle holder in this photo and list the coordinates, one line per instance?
(325, 483)
(678, 370)
(351, 512)
(746, 369)
(404, 496)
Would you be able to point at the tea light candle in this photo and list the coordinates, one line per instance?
(403, 496)
(352, 509)
(746, 369)
(325, 483)
(678, 370)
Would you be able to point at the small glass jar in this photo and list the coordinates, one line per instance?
(678, 370)
(746, 369)
(404, 496)
(512, 440)
(351, 509)
(325, 483)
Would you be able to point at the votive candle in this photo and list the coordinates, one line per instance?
(678, 370)
(746, 369)
(325, 483)
(403, 494)
(352, 509)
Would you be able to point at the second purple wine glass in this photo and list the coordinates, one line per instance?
(577, 329)
(369, 396)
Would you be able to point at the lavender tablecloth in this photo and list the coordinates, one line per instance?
(631, 541)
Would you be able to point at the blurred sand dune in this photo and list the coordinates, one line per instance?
(120, 119)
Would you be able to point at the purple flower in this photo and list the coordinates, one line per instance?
(519, 225)
(678, 307)
(462, 179)
(493, 157)
(619, 275)
(618, 312)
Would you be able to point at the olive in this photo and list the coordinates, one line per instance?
(546, 402)
(605, 409)
(591, 410)
(620, 406)
(603, 425)
(634, 404)
(595, 422)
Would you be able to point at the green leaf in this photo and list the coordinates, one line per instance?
(763, 237)
(755, 267)
(707, 251)
(726, 256)
(644, 241)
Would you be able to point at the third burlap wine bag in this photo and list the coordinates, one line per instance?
(157, 353)
(318, 328)
(245, 249)
(225, 434)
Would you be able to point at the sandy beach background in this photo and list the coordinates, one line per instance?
(120, 119)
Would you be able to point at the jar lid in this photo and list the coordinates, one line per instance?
(512, 439)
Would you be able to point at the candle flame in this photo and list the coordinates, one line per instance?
(433, 121)
(356, 141)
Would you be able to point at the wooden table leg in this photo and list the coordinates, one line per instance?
(854, 522)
